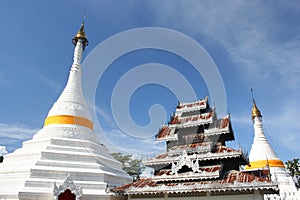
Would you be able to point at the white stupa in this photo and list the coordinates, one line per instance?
(262, 155)
(65, 156)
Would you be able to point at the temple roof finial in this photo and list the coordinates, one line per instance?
(81, 35)
(255, 110)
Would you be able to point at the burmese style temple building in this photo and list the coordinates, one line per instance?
(197, 163)
(65, 160)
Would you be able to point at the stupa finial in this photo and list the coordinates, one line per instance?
(81, 36)
(255, 110)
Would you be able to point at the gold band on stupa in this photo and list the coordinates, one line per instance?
(68, 119)
(264, 163)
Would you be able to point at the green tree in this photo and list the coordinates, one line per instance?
(1, 159)
(133, 167)
(293, 166)
(130, 165)
(124, 159)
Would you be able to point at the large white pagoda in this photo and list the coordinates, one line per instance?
(65, 158)
(263, 156)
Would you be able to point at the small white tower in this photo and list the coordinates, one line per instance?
(65, 156)
(262, 155)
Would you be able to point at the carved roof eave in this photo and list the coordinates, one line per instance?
(207, 132)
(192, 106)
(209, 175)
(192, 123)
(208, 156)
(172, 137)
(171, 134)
(198, 187)
(217, 131)
(190, 109)
(188, 176)
(204, 149)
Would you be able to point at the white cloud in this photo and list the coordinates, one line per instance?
(2, 150)
(254, 33)
(13, 131)
(282, 127)
(51, 83)
(118, 141)
(243, 119)
(262, 41)
(103, 114)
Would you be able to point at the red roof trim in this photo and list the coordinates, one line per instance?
(201, 102)
(222, 149)
(163, 132)
(231, 178)
(177, 120)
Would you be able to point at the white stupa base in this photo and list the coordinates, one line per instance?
(54, 154)
(286, 185)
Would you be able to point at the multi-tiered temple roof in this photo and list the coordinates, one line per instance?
(197, 159)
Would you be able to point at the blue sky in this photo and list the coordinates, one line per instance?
(253, 44)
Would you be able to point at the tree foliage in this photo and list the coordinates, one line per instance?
(1, 159)
(130, 165)
(293, 166)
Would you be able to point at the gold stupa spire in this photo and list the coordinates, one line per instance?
(262, 154)
(255, 111)
(81, 35)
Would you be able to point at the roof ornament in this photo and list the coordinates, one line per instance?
(81, 36)
(255, 110)
(186, 160)
(68, 184)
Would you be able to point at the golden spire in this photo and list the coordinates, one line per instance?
(81, 35)
(255, 111)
